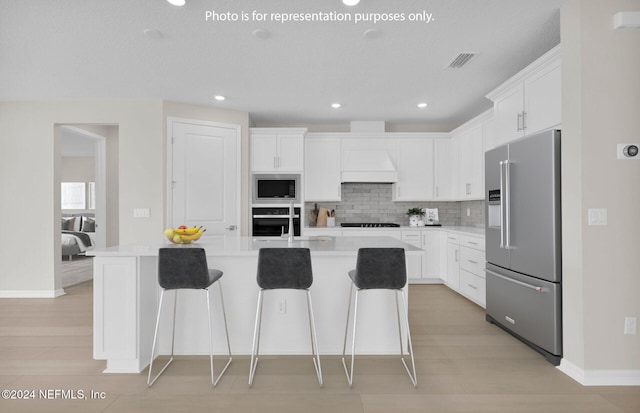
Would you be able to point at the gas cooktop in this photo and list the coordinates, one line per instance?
(369, 225)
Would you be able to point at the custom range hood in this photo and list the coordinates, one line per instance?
(364, 165)
(364, 161)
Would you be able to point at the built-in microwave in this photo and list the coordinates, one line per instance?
(276, 188)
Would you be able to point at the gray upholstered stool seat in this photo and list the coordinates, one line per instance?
(186, 268)
(379, 268)
(284, 268)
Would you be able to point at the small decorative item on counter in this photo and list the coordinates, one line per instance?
(183, 234)
(415, 214)
(331, 219)
(432, 216)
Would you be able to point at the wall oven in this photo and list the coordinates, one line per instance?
(276, 188)
(274, 221)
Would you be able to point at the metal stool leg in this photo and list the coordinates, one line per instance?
(314, 339)
(155, 337)
(412, 372)
(256, 339)
(349, 372)
(215, 381)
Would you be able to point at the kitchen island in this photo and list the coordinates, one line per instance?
(126, 297)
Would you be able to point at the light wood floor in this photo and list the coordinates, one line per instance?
(464, 365)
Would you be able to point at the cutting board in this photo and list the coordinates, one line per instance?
(323, 214)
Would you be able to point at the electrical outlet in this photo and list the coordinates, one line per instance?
(468, 212)
(282, 306)
(630, 325)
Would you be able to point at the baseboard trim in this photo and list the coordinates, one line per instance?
(32, 294)
(600, 377)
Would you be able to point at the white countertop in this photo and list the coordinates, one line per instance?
(475, 231)
(238, 246)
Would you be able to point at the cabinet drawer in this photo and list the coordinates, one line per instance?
(473, 287)
(472, 242)
(472, 260)
(412, 237)
(453, 238)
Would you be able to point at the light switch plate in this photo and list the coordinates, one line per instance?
(597, 216)
(141, 213)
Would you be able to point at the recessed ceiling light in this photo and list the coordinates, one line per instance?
(176, 2)
(153, 34)
(261, 33)
(372, 33)
(350, 2)
(335, 105)
(219, 98)
(422, 105)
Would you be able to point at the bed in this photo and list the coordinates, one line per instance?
(78, 234)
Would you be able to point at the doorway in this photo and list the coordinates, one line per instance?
(88, 159)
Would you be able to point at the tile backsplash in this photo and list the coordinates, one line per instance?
(366, 202)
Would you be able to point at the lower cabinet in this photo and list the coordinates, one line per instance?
(453, 262)
(451, 257)
(472, 264)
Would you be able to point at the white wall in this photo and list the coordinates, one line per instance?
(600, 109)
(31, 171)
(78, 169)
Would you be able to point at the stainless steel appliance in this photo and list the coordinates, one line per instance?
(276, 188)
(523, 241)
(274, 221)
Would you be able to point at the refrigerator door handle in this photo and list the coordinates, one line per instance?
(533, 287)
(501, 205)
(507, 207)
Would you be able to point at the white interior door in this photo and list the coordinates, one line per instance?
(204, 176)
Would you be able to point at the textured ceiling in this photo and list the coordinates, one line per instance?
(97, 49)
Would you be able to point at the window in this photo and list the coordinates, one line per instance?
(77, 195)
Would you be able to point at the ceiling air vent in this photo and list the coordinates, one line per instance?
(460, 60)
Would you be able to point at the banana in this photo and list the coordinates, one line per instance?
(194, 237)
(187, 231)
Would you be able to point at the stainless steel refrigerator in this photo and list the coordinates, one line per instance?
(523, 241)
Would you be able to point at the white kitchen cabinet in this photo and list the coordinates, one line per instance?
(277, 150)
(322, 169)
(454, 168)
(530, 101)
(414, 238)
(415, 170)
(442, 170)
(472, 265)
(471, 163)
(468, 142)
(453, 262)
(431, 260)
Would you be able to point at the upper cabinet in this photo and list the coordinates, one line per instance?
(277, 149)
(467, 144)
(415, 170)
(322, 168)
(443, 169)
(529, 102)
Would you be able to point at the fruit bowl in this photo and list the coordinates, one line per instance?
(183, 234)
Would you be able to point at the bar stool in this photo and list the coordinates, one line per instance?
(186, 268)
(284, 268)
(379, 268)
